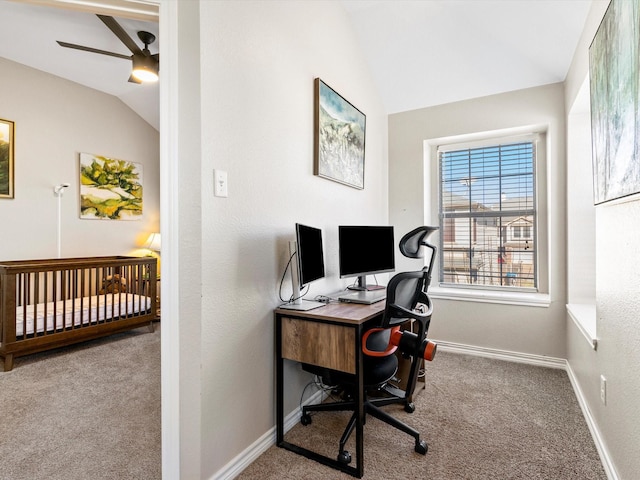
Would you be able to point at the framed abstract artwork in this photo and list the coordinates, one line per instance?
(110, 189)
(6, 158)
(614, 70)
(339, 137)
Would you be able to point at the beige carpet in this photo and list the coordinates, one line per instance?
(93, 412)
(88, 412)
(483, 419)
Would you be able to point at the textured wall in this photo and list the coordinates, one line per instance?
(618, 304)
(259, 61)
(617, 298)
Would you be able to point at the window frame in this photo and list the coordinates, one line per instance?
(480, 293)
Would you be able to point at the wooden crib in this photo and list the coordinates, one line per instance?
(46, 304)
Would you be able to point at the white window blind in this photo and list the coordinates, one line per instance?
(488, 215)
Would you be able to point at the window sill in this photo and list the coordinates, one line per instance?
(491, 296)
(584, 316)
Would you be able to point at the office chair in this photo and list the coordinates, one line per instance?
(406, 300)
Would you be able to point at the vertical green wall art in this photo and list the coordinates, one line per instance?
(6, 159)
(614, 70)
(110, 189)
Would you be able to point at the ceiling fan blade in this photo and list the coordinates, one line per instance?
(119, 32)
(93, 50)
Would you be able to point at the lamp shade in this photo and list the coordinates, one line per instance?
(154, 242)
(145, 68)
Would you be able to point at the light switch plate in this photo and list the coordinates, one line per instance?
(220, 184)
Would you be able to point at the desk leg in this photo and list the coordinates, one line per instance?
(360, 405)
(281, 442)
(279, 384)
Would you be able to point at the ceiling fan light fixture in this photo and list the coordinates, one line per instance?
(145, 68)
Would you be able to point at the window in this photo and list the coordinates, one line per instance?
(487, 212)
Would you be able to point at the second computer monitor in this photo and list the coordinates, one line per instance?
(310, 254)
(365, 250)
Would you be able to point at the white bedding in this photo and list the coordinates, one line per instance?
(79, 311)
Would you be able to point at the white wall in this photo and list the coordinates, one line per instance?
(581, 238)
(182, 240)
(617, 283)
(55, 120)
(259, 60)
(523, 329)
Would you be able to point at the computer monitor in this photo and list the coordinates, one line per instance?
(365, 250)
(307, 267)
(309, 253)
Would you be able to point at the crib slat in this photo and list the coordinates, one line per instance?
(45, 300)
(36, 293)
(54, 280)
(96, 289)
(72, 285)
(82, 274)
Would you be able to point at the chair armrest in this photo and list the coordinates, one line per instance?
(400, 312)
(391, 348)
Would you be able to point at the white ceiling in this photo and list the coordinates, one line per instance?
(29, 33)
(421, 53)
(424, 53)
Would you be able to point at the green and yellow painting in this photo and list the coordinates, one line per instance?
(6, 159)
(110, 189)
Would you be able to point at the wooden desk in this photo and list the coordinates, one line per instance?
(328, 336)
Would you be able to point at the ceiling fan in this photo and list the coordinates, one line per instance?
(145, 66)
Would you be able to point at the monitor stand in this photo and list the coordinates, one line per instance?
(304, 305)
(361, 285)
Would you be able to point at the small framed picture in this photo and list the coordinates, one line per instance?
(339, 137)
(6, 158)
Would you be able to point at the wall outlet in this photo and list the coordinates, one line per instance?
(603, 389)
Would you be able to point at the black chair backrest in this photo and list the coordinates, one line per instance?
(411, 247)
(405, 291)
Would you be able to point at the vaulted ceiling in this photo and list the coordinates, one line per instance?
(29, 33)
(421, 53)
(425, 53)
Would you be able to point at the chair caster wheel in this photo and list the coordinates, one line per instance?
(344, 457)
(410, 407)
(305, 419)
(421, 447)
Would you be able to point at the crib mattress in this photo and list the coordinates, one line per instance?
(54, 316)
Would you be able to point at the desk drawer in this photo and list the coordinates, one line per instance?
(322, 344)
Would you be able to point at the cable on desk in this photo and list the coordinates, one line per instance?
(291, 299)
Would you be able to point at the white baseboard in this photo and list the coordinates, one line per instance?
(244, 459)
(605, 458)
(528, 358)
